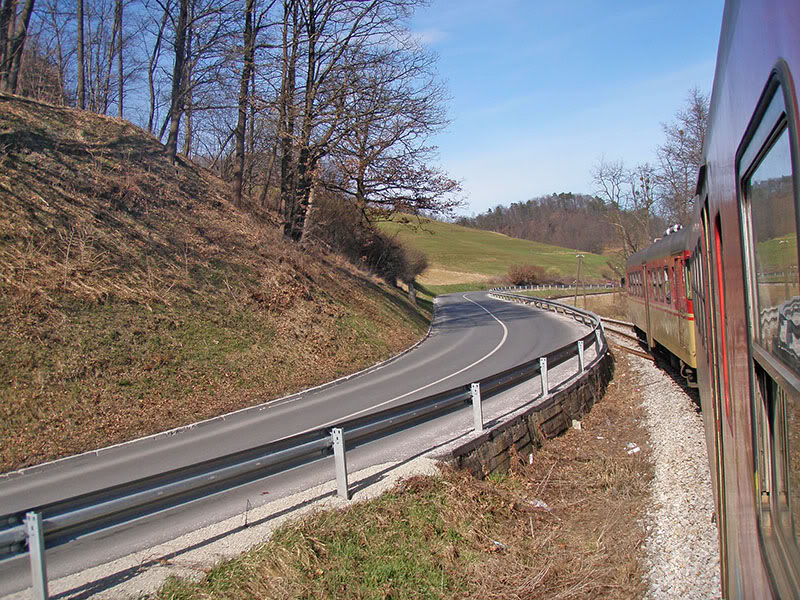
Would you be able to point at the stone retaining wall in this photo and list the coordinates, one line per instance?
(491, 452)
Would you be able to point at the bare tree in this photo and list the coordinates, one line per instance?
(58, 23)
(120, 70)
(681, 155)
(198, 71)
(393, 105)
(12, 59)
(287, 109)
(152, 63)
(642, 200)
(611, 179)
(7, 11)
(332, 31)
(243, 101)
(81, 59)
(178, 72)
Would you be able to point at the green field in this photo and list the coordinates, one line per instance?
(459, 255)
(777, 254)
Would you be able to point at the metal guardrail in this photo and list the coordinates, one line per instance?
(558, 286)
(40, 527)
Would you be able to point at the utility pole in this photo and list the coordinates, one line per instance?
(577, 282)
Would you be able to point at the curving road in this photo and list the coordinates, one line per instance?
(472, 336)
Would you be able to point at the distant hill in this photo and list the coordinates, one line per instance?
(578, 221)
(465, 255)
(135, 298)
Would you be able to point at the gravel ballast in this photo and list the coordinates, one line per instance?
(682, 539)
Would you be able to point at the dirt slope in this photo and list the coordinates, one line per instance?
(134, 298)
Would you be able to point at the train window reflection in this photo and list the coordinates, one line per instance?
(778, 459)
(772, 216)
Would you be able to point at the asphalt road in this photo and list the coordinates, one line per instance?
(472, 336)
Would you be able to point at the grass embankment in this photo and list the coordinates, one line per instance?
(461, 255)
(134, 298)
(566, 526)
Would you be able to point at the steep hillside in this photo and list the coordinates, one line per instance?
(464, 255)
(134, 298)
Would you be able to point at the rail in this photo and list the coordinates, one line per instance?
(34, 530)
(559, 286)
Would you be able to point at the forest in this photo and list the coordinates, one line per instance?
(290, 101)
(569, 220)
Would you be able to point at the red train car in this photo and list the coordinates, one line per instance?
(660, 300)
(743, 267)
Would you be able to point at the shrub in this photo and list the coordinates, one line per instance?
(526, 275)
(339, 225)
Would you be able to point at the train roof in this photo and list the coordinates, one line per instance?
(669, 245)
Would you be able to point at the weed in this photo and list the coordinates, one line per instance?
(566, 526)
(134, 298)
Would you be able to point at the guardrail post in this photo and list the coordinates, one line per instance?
(33, 528)
(477, 407)
(543, 369)
(337, 436)
(581, 363)
(599, 336)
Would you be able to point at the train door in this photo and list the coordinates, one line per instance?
(769, 191)
(679, 302)
(648, 298)
(711, 321)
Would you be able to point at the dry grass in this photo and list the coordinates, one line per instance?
(613, 306)
(134, 298)
(435, 276)
(566, 526)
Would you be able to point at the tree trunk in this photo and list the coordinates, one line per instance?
(251, 131)
(176, 97)
(241, 124)
(81, 60)
(412, 292)
(52, 13)
(151, 68)
(304, 162)
(8, 8)
(109, 65)
(16, 47)
(287, 115)
(120, 71)
(262, 201)
(188, 96)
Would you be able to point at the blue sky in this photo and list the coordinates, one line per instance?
(542, 89)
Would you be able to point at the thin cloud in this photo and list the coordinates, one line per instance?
(430, 37)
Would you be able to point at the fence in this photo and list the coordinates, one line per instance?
(559, 286)
(34, 530)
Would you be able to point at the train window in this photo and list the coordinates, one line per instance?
(655, 284)
(769, 228)
(770, 196)
(660, 292)
(699, 295)
(667, 277)
(687, 286)
(777, 437)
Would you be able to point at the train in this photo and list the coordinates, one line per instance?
(721, 295)
(660, 303)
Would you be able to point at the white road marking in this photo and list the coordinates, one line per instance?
(424, 387)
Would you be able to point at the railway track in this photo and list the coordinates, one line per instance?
(615, 327)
